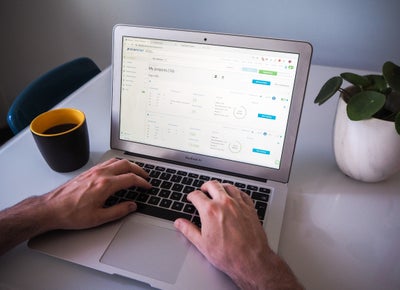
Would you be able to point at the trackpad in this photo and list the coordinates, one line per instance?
(148, 250)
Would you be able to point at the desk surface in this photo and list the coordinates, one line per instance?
(337, 233)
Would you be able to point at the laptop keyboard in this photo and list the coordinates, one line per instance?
(167, 198)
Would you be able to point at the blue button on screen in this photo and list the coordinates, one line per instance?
(261, 82)
(266, 116)
(261, 151)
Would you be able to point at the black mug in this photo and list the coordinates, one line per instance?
(62, 138)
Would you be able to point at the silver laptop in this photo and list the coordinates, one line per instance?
(189, 107)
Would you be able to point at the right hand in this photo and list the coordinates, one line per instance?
(233, 240)
(231, 236)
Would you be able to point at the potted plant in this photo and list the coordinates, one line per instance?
(367, 124)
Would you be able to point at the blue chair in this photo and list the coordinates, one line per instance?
(48, 90)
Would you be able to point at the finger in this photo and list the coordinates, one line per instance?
(105, 164)
(109, 161)
(127, 180)
(197, 198)
(116, 211)
(121, 166)
(214, 189)
(190, 231)
(200, 201)
(232, 190)
(247, 199)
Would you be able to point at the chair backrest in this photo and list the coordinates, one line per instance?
(48, 90)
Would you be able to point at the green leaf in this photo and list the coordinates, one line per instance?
(328, 90)
(355, 79)
(397, 123)
(391, 72)
(364, 105)
(377, 83)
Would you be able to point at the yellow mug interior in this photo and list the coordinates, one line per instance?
(57, 117)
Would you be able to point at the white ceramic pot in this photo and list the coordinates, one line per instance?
(367, 150)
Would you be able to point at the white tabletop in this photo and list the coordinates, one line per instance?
(337, 233)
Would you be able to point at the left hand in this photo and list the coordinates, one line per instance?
(79, 203)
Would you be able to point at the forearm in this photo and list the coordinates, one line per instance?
(23, 221)
(269, 272)
(281, 276)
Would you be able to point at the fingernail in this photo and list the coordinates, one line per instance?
(132, 206)
(177, 223)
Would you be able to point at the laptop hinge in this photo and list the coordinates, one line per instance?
(259, 179)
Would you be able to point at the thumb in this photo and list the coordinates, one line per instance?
(189, 230)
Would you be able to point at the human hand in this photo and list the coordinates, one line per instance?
(233, 240)
(79, 203)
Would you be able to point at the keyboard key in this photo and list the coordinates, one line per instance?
(164, 193)
(228, 181)
(153, 191)
(198, 183)
(176, 178)
(142, 197)
(240, 185)
(155, 182)
(261, 208)
(165, 203)
(189, 208)
(265, 190)
(188, 189)
(187, 181)
(176, 196)
(205, 178)
(165, 176)
(252, 187)
(177, 187)
(166, 184)
(154, 174)
(177, 205)
(154, 200)
(260, 196)
(183, 173)
(172, 171)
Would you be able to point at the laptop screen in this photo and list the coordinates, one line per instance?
(221, 101)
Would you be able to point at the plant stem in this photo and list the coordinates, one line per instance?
(346, 94)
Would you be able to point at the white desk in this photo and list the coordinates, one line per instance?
(337, 233)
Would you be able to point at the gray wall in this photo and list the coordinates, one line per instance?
(37, 35)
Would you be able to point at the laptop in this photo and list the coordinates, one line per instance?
(188, 107)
